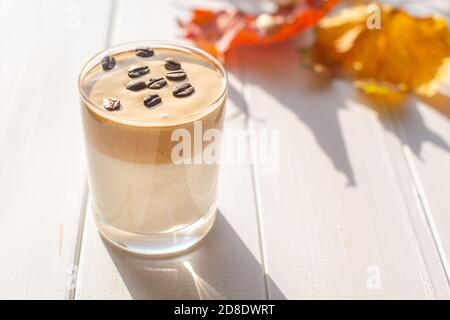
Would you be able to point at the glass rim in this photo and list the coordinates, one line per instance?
(157, 44)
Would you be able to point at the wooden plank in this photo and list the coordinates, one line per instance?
(336, 219)
(423, 130)
(227, 263)
(44, 44)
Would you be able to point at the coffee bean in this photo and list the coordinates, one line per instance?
(183, 90)
(108, 62)
(177, 75)
(172, 64)
(156, 83)
(111, 103)
(136, 85)
(144, 52)
(137, 71)
(152, 100)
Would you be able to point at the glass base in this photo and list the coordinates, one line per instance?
(158, 244)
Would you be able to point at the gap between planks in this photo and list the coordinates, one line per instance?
(85, 196)
(419, 191)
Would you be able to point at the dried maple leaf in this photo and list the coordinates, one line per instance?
(219, 31)
(406, 53)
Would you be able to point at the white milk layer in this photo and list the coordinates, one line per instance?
(149, 198)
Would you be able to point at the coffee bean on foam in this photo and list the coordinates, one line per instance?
(183, 90)
(138, 71)
(152, 100)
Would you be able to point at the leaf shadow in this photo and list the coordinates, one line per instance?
(439, 102)
(317, 103)
(314, 102)
(407, 123)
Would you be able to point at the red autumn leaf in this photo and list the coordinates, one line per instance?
(219, 31)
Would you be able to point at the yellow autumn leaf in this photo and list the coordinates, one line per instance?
(407, 53)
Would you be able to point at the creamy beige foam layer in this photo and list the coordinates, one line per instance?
(207, 79)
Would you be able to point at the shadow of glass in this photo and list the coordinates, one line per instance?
(219, 267)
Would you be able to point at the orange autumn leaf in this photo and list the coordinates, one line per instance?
(406, 54)
(219, 31)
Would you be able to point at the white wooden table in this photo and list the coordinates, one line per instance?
(359, 208)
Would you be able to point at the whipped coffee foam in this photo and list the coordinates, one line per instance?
(206, 79)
